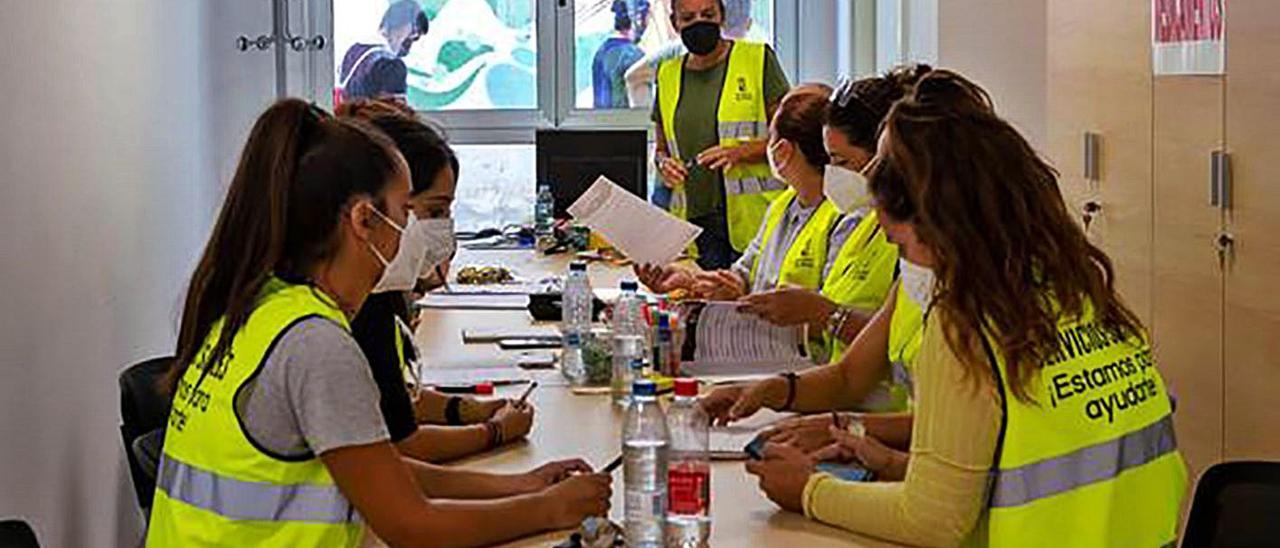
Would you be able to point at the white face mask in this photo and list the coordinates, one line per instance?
(917, 281)
(847, 189)
(401, 272)
(441, 242)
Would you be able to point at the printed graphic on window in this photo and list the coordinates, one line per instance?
(437, 54)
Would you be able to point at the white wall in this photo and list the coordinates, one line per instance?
(1001, 44)
(105, 200)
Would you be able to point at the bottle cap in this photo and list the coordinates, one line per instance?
(484, 389)
(637, 363)
(573, 338)
(578, 266)
(630, 285)
(687, 388)
(644, 387)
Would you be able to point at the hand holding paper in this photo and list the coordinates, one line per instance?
(643, 232)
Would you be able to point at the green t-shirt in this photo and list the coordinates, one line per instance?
(697, 129)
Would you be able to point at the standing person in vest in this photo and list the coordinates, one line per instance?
(1041, 419)
(378, 70)
(275, 438)
(452, 426)
(795, 244)
(712, 110)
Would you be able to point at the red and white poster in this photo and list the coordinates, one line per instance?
(1189, 36)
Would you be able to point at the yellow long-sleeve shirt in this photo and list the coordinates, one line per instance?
(953, 442)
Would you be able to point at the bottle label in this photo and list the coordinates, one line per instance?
(689, 489)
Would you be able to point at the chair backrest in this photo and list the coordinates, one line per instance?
(143, 409)
(15, 533)
(1237, 505)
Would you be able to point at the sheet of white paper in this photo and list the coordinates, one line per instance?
(732, 342)
(642, 231)
(465, 301)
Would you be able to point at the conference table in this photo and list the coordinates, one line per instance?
(568, 425)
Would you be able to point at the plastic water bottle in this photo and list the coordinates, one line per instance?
(571, 364)
(644, 445)
(575, 304)
(689, 471)
(544, 217)
(629, 340)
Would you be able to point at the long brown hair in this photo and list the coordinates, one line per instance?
(298, 170)
(1009, 259)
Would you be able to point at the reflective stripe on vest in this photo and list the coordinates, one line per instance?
(1091, 459)
(741, 118)
(805, 257)
(246, 500)
(216, 485)
(1101, 462)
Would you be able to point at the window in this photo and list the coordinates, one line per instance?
(494, 71)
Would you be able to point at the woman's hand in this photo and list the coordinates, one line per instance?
(726, 404)
(888, 464)
(719, 285)
(664, 279)
(555, 472)
(514, 420)
(789, 306)
(672, 172)
(719, 157)
(783, 473)
(569, 502)
(809, 433)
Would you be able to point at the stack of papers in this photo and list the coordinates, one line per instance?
(722, 340)
(727, 442)
(475, 301)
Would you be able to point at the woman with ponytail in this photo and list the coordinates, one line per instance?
(275, 438)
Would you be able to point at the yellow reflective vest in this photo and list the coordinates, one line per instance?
(1093, 460)
(862, 274)
(214, 487)
(806, 257)
(742, 118)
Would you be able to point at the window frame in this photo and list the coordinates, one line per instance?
(556, 88)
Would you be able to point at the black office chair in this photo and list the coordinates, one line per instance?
(144, 412)
(15, 533)
(1236, 505)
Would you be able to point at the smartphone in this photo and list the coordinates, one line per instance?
(527, 344)
(755, 449)
(846, 472)
(536, 360)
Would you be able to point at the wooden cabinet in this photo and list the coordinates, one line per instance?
(1099, 81)
(1215, 319)
(1186, 324)
(1252, 302)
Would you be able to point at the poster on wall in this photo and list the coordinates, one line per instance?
(1189, 37)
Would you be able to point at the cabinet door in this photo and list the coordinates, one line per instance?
(1252, 299)
(1100, 82)
(1187, 287)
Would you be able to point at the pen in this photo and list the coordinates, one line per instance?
(475, 388)
(608, 469)
(527, 391)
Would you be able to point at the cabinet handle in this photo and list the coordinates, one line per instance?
(1220, 179)
(1092, 153)
(263, 42)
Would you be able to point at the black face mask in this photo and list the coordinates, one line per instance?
(701, 38)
